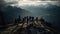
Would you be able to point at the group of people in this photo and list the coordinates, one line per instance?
(27, 18)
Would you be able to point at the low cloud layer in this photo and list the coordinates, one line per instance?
(19, 3)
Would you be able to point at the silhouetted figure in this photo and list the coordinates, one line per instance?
(37, 19)
(32, 18)
(27, 19)
(23, 20)
(19, 19)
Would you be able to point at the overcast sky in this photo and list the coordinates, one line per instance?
(28, 2)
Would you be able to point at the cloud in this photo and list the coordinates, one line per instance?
(49, 0)
(19, 3)
(39, 0)
(36, 3)
(7, 2)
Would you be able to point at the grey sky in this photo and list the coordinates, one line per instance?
(17, 3)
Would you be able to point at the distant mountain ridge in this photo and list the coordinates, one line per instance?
(10, 13)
